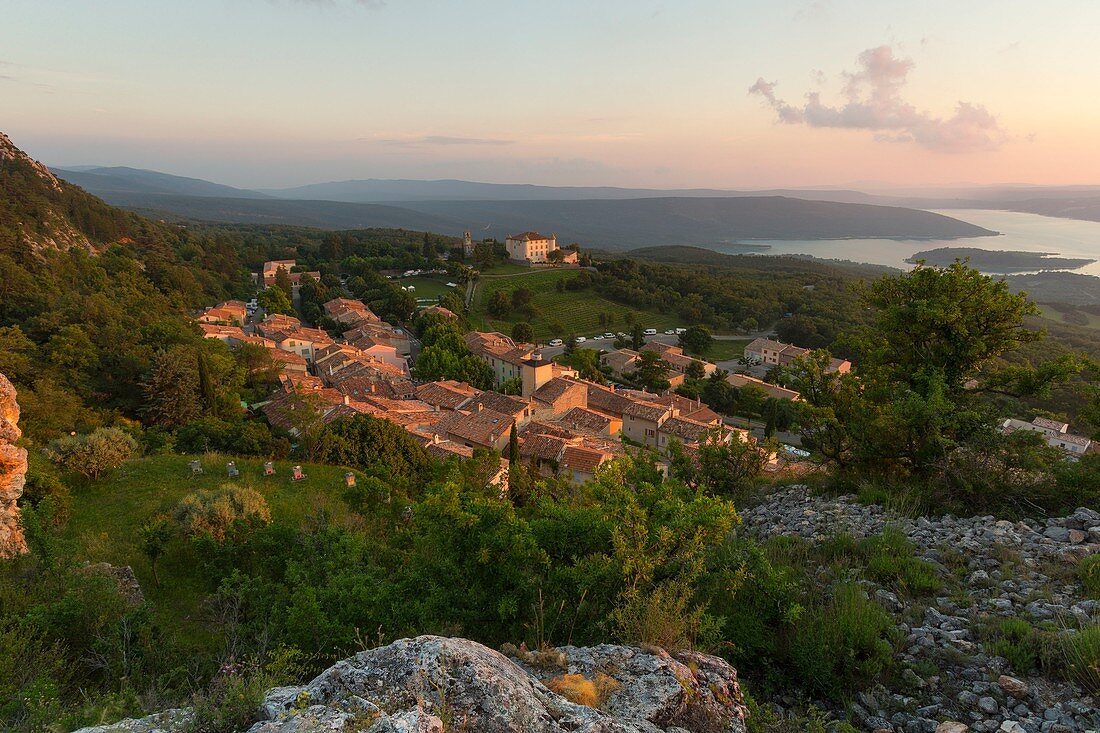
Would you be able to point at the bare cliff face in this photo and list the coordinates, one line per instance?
(432, 684)
(13, 473)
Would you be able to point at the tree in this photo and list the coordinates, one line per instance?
(729, 469)
(366, 442)
(274, 300)
(696, 340)
(695, 370)
(637, 336)
(523, 333)
(521, 298)
(555, 256)
(154, 536)
(652, 371)
(172, 389)
(500, 304)
(282, 282)
(513, 446)
(94, 454)
(513, 386)
(923, 368)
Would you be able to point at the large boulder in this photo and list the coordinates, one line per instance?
(13, 473)
(430, 684)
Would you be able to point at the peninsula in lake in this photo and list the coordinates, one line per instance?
(999, 261)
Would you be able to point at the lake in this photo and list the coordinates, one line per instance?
(1019, 231)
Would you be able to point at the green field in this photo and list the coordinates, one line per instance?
(107, 513)
(561, 314)
(727, 350)
(427, 287)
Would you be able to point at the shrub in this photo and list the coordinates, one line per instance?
(213, 512)
(583, 691)
(1089, 573)
(93, 454)
(890, 561)
(1017, 641)
(1080, 650)
(844, 646)
(663, 617)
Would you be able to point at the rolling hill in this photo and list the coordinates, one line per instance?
(123, 180)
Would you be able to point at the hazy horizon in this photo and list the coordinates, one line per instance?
(700, 94)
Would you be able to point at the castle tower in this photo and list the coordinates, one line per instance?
(467, 245)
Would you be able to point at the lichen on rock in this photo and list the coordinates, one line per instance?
(430, 684)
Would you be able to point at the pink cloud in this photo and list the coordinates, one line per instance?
(874, 101)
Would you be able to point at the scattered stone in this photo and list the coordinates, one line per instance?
(1012, 686)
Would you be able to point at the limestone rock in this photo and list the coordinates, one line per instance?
(952, 726)
(1012, 686)
(13, 473)
(430, 684)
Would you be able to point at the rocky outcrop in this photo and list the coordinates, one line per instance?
(432, 684)
(992, 571)
(13, 473)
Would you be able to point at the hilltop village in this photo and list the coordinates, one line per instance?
(554, 419)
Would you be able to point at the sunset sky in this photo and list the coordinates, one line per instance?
(618, 92)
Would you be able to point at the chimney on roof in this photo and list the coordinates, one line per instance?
(347, 399)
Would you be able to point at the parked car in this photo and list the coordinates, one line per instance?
(554, 342)
(650, 332)
(580, 339)
(609, 335)
(622, 335)
(670, 332)
(680, 331)
(597, 337)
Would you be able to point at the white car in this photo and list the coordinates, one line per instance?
(609, 335)
(670, 332)
(597, 337)
(622, 335)
(555, 342)
(680, 331)
(650, 332)
(580, 340)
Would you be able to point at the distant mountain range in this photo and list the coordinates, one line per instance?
(121, 180)
(605, 217)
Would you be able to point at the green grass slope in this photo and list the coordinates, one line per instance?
(559, 314)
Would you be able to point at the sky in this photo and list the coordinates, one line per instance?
(707, 93)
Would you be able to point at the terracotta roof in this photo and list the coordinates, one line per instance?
(542, 447)
(691, 409)
(585, 460)
(686, 430)
(441, 311)
(1071, 438)
(758, 345)
(529, 236)
(502, 403)
(645, 410)
(580, 418)
(213, 330)
(483, 428)
(1043, 422)
(606, 400)
(287, 357)
(661, 348)
(547, 428)
(555, 389)
(619, 360)
(444, 449)
(448, 394)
